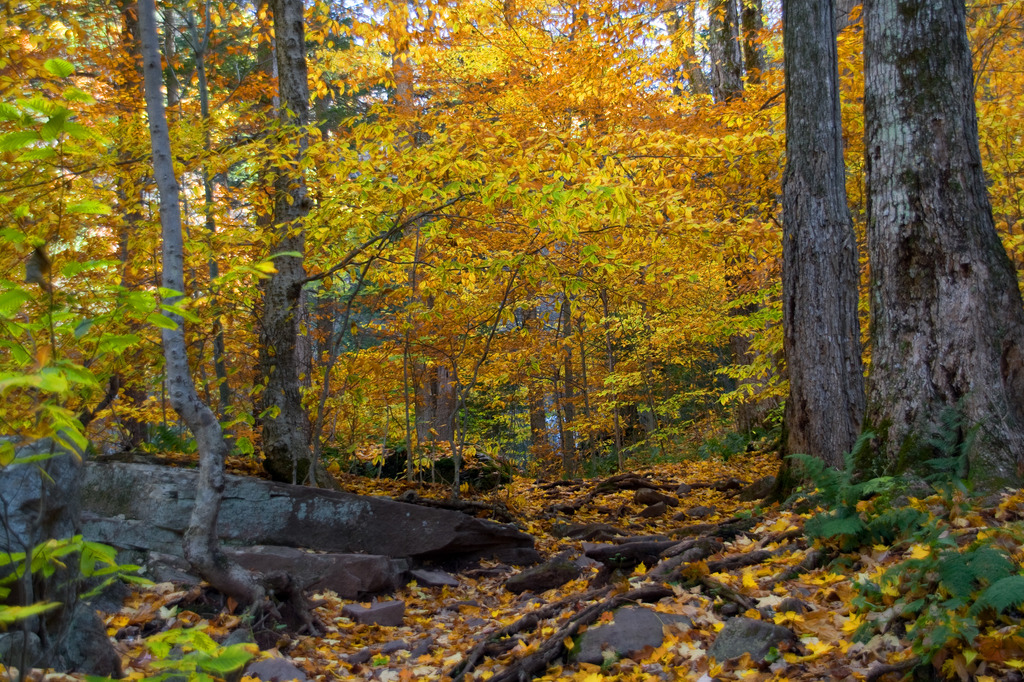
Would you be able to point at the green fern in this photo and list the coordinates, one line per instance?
(962, 573)
(1001, 595)
(840, 491)
(834, 525)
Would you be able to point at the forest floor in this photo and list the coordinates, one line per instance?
(760, 556)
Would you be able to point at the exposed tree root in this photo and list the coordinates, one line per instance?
(498, 512)
(553, 647)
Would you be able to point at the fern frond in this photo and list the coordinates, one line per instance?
(1001, 595)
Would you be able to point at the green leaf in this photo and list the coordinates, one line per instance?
(77, 131)
(77, 374)
(75, 268)
(7, 453)
(828, 527)
(169, 293)
(75, 95)
(40, 105)
(117, 343)
(18, 139)
(37, 154)
(231, 658)
(162, 321)
(140, 301)
(90, 206)
(82, 328)
(13, 614)
(52, 129)
(9, 112)
(52, 380)
(12, 300)
(59, 67)
(244, 446)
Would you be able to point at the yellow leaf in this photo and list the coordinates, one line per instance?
(789, 617)
(748, 580)
(568, 643)
(919, 551)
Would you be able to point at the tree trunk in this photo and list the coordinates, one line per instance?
(610, 357)
(134, 431)
(946, 312)
(820, 266)
(538, 420)
(724, 47)
(284, 422)
(567, 404)
(202, 546)
(843, 12)
(200, 44)
(435, 403)
(753, 53)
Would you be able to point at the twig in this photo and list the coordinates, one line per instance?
(881, 669)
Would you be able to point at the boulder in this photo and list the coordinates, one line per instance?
(627, 555)
(792, 604)
(388, 613)
(758, 490)
(19, 646)
(748, 636)
(275, 670)
(593, 532)
(653, 511)
(351, 576)
(41, 501)
(648, 497)
(546, 576)
(147, 507)
(698, 512)
(428, 578)
(634, 628)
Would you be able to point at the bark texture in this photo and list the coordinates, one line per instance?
(844, 13)
(202, 546)
(753, 53)
(820, 265)
(725, 50)
(947, 319)
(435, 404)
(284, 423)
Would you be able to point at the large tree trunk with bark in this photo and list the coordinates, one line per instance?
(284, 423)
(820, 265)
(844, 12)
(202, 546)
(946, 313)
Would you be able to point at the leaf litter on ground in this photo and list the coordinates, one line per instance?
(478, 630)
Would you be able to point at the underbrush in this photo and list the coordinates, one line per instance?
(957, 590)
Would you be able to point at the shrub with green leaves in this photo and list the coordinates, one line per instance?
(942, 596)
(192, 654)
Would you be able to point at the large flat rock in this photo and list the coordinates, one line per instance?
(147, 507)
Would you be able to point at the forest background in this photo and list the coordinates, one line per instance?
(546, 234)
